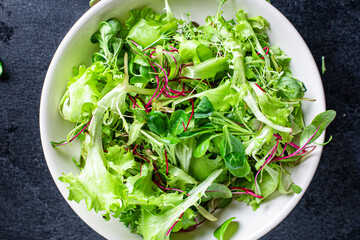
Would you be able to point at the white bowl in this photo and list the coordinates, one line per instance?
(76, 49)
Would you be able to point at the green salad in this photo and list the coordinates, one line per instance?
(178, 120)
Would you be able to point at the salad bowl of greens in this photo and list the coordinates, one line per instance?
(170, 120)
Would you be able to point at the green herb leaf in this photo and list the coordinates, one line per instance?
(158, 123)
(297, 189)
(186, 221)
(318, 125)
(202, 167)
(184, 151)
(207, 69)
(323, 68)
(177, 121)
(205, 213)
(204, 108)
(289, 88)
(180, 179)
(202, 145)
(194, 51)
(170, 140)
(190, 134)
(219, 233)
(134, 132)
(233, 152)
(108, 40)
(93, 2)
(216, 190)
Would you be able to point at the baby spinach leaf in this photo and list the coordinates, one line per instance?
(202, 145)
(204, 109)
(220, 231)
(178, 118)
(317, 127)
(139, 81)
(233, 152)
(297, 189)
(289, 88)
(158, 123)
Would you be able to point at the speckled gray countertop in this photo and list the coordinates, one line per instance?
(31, 207)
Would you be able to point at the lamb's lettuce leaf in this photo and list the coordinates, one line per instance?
(219, 233)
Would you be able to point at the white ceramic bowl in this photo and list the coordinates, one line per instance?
(76, 49)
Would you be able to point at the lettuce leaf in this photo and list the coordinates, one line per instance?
(82, 93)
(147, 28)
(100, 189)
(202, 167)
(154, 226)
(207, 69)
(141, 187)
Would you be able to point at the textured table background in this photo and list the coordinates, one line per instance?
(31, 207)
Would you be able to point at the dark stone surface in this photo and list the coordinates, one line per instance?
(31, 207)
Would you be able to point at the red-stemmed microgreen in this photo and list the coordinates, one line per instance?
(169, 231)
(298, 151)
(246, 191)
(192, 112)
(173, 49)
(133, 102)
(290, 143)
(56, 145)
(270, 155)
(147, 160)
(157, 87)
(283, 151)
(260, 87)
(170, 189)
(184, 126)
(267, 52)
(167, 163)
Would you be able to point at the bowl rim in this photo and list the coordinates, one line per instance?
(57, 56)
